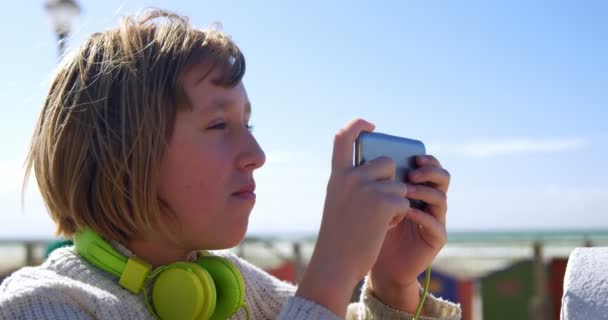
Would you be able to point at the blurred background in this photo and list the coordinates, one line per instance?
(510, 96)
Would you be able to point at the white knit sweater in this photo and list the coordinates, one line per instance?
(586, 285)
(68, 287)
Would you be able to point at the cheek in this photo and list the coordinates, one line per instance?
(193, 180)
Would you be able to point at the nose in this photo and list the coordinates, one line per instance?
(253, 157)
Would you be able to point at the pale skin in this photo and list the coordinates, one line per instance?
(369, 228)
(206, 178)
(206, 173)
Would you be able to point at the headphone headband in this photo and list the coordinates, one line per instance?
(208, 288)
(131, 271)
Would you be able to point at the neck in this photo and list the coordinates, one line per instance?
(157, 251)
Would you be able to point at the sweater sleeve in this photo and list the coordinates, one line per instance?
(369, 307)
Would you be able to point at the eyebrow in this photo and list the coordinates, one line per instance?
(223, 105)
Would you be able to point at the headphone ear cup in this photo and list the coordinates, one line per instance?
(229, 284)
(184, 290)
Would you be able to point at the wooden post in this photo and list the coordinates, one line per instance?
(539, 306)
(298, 261)
(241, 250)
(29, 253)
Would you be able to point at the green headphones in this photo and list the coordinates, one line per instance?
(208, 288)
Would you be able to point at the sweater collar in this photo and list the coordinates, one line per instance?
(192, 256)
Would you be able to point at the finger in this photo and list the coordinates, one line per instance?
(436, 176)
(428, 159)
(382, 168)
(436, 200)
(390, 200)
(396, 221)
(344, 140)
(392, 188)
(433, 232)
(399, 208)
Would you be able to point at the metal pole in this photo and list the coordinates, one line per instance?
(62, 38)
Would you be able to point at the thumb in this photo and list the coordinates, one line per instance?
(344, 140)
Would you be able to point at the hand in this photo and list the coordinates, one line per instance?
(360, 204)
(410, 247)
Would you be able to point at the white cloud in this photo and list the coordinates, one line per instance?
(488, 149)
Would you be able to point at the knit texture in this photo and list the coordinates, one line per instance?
(586, 285)
(372, 308)
(68, 287)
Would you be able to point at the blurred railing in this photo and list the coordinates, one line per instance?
(469, 254)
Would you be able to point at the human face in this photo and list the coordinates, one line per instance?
(206, 173)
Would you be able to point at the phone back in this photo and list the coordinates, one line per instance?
(372, 145)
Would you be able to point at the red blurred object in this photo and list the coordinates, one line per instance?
(557, 270)
(285, 272)
(465, 297)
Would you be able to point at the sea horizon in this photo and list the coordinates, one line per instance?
(457, 235)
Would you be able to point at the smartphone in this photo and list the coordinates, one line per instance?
(372, 145)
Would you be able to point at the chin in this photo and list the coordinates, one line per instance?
(231, 238)
(228, 244)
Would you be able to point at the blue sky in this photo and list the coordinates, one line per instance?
(510, 96)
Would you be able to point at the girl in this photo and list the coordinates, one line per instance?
(144, 156)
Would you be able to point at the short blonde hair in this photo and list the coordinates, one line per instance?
(109, 115)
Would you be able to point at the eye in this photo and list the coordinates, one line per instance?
(223, 125)
(218, 126)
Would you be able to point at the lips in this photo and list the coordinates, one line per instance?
(247, 192)
(249, 188)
